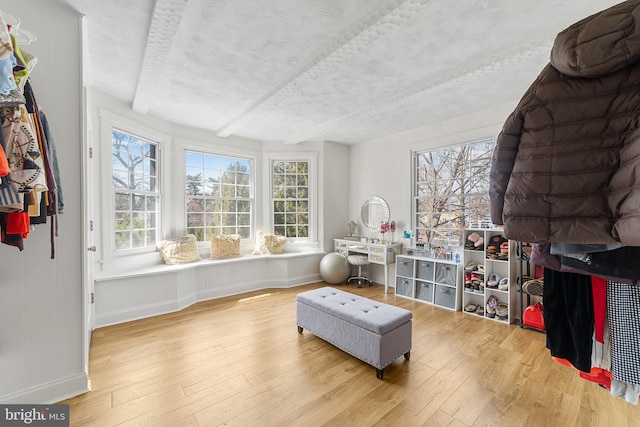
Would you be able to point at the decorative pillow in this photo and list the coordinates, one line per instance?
(267, 243)
(225, 246)
(179, 250)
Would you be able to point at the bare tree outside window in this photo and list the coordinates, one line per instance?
(218, 195)
(451, 192)
(136, 191)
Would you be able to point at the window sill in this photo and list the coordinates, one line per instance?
(161, 268)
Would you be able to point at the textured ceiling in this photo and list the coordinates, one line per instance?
(339, 70)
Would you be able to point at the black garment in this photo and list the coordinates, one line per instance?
(621, 262)
(568, 317)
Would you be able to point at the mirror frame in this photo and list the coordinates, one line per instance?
(365, 214)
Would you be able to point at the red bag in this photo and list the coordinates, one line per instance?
(534, 316)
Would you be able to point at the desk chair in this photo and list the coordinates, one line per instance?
(359, 260)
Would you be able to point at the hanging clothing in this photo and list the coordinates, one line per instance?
(4, 162)
(9, 92)
(621, 262)
(43, 145)
(25, 161)
(564, 166)
(54, 165)
(623, 314)
(568, 317)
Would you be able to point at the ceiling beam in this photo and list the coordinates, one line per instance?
(345, 46)
(165, 20)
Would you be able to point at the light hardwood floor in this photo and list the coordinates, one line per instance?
(239, 361)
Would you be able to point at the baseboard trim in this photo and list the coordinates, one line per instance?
(50, 392)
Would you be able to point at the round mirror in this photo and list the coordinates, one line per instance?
(374, 211)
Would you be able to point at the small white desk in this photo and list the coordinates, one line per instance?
(378, 253)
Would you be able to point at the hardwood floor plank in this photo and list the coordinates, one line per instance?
(240, 361)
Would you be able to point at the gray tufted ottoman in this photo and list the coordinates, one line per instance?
(374, 332)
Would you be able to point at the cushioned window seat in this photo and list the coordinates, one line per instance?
(155, 288)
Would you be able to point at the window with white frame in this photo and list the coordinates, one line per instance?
(218, 195)
(290, 198)
(451, 192)
(136, 190)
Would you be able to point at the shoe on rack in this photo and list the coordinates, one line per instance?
(471, 266)
(533, 287)
(525, 254)
(492, 303)
(490, 312)
(493, 281)
(471, 307)
(503, 285)
(502, 311)
(504, 248)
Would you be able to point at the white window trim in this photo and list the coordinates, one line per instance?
(312, 159)
(105, 207)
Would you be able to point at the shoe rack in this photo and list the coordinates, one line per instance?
(527, 272)
(492, 284)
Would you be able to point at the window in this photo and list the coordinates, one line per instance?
(136, 192)
(218, 195)
(451, 192)
(290, 198)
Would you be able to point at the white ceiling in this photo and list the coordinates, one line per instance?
(339, 70)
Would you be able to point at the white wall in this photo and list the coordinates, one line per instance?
(41, 345)
(383, 167)
(335, 193)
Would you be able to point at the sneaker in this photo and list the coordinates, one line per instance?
(493, 281)
(471, 307)
(504, 248)
(533, 287)
(476, 275)
(502, 311)
(471, 266)
(504, 284)
(490, 312)
(473, 237)
(492, 303)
